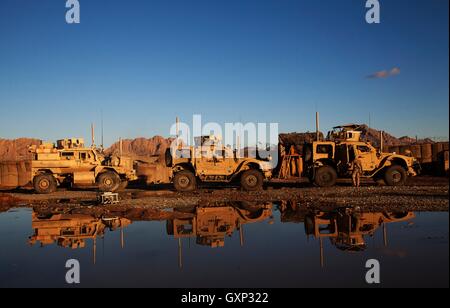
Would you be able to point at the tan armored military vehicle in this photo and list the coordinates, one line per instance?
(213, 162)
(71, 230)
(348, 228)
(72, 163)
(210, 225)
(326, 161)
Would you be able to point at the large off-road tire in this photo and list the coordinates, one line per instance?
(108, 181)
(185, 181)
(252, 180)
(395, 176)
(45, 184)
(325, 176)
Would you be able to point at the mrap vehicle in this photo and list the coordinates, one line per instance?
(69, 161)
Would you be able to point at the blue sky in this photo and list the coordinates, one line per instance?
(143, 62)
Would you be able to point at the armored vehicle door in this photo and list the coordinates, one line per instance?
(68, 159)
(213, 160)
(86, 160)
(368, 156)
(343, 158)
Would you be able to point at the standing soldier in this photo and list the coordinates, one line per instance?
(357, 171)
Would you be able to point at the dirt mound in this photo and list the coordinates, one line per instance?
(17, 149)
(14, 150)
(297, 138)
(7, 201)
(373, 136)
(141, 147)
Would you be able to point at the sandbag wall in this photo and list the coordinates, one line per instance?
(432, 156)
(15, 174)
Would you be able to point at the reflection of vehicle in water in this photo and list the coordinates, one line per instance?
(347, 228)
(71, 230)
(210, 225)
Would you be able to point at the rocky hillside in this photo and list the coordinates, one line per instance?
(141, 147)
(373, 136)
(156, 146)
(16, 149)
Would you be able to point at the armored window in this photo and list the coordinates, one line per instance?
(324, 149)
(68, 155)
(219, 153)
(363, 149)
(83, 156)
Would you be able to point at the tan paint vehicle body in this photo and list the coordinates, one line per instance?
(210, 225)
(329, 160)
(215, 163)
(71, 230)
(73, 163)
(347, 228)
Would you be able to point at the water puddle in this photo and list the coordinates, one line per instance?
(239, 244)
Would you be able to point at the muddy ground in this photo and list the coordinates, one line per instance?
(420, 194)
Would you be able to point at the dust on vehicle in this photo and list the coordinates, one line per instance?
(70, 162)
(213, 162)
(326, 161)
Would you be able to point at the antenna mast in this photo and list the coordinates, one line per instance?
(101, 115)
(92, 135)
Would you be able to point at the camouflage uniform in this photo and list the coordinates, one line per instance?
(357, 171)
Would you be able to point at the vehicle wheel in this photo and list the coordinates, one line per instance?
(44, 183)
(252, 180)
(185, 181)
(108, 181)
(325, 176)
(395, 176)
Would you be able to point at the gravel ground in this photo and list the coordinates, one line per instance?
(420, 194)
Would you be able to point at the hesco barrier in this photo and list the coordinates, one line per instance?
(15, 174)
(427, 153)
(432, 156)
